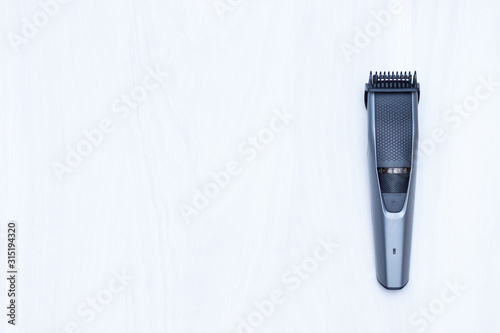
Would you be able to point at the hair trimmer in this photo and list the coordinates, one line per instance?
(392, 103)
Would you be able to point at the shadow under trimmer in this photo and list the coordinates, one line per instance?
(392, 103)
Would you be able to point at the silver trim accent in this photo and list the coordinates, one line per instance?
(393, 170)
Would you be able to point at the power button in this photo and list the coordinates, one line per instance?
(394, 202)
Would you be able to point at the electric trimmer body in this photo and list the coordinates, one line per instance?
(392, 104)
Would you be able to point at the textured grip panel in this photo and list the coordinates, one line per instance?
(393, 126)
(394, 183)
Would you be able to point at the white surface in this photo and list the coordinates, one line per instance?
(119, 210)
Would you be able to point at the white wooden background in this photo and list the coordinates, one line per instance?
(232, 66)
